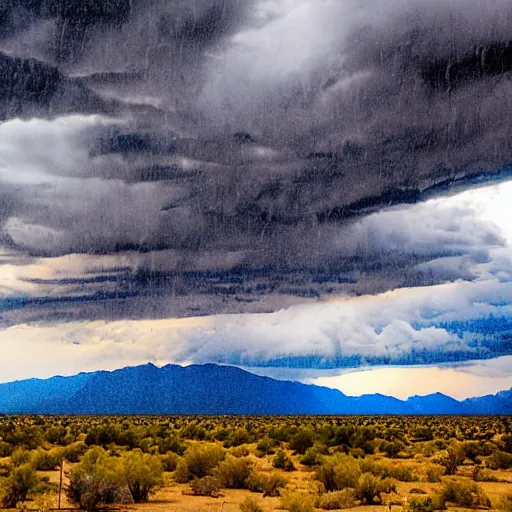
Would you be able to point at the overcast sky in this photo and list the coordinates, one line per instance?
(303, 188)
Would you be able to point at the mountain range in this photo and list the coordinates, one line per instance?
(219, 390)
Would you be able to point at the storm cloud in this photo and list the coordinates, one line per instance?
(173, 158)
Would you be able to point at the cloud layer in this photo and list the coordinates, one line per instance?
(261, 158)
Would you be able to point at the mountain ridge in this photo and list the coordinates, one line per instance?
(212, 389)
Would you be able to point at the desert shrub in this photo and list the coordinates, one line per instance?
(198, 462)
(311, 457)
(142, 472)
(383, 469)
(282, 461)
(391, 448)
(193, 431)
(265, 446)
(336, 500)
(301, 441)
(72, 452)
(240, 451)
(171, 444)
(505, 504)
(206, 486)
(426, 504)
(423, 434)
(250, 505)
(369, 488)
(269, 484)
(480, 474)
(402, 473)
(20, 457)
(170, 461)
(237, 437)
(232, 473)
(434, 472)
(452, 457)
(500, 460)
(6, 449)
(297, 502)
(97, 479)
(506, 443)
(16, 488)
(46, 460)
(388, 486)
(338, 472)
(464, 494)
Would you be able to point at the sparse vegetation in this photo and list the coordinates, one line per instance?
(299, 464)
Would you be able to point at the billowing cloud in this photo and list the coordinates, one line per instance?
(166, 159)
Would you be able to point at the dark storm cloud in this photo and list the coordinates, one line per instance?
(229, 139)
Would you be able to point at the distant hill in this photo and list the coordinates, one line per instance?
(212, 389)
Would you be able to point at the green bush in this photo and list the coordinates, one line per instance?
(297, 502)
(369, 489)
(269, 484)
(233, 473)
(426, 504)
(434, 472)
(206, 486)
(170, 461)
(18, 485)
(72, 452)
(311, 457)
(500, 460)
(97, 479)
(198, 462)
(336, 500)
(464, 494)
(338, 472)
(301, 441)
(47, 460)
(20, 457)
(282, 461)
(265, 446)
(142, 472)
(250, 505)
(505, 504)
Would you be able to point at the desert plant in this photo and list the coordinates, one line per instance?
(301, 441)
(250, 505)
(170, 461)
(434, 472)
(505, 504)
(369, 489)
(97, 479)
(282, 461)
(310, 457)
(18, 485)
(338, 472)
(142, 472)
(500, 460)
(206, 486)
(464, 494)
(198, 462)
(336, 500)
(269, 484)
(297, 502)
(232, 473)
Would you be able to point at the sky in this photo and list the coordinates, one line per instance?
(316, 190)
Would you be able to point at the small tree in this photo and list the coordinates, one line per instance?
(18, 485)
(143, 473)
(97, 479)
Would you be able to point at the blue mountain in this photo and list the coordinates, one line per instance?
(213, 389)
